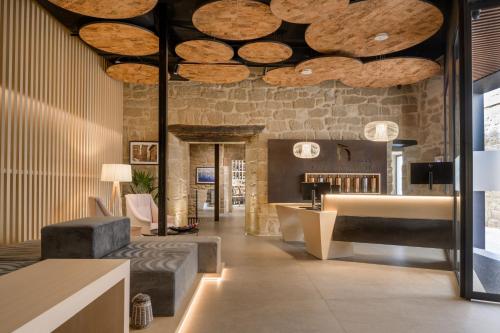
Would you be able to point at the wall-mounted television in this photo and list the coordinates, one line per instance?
(432, 173)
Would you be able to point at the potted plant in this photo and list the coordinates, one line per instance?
(144, 182)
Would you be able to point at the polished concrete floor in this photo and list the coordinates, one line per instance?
(270, 286)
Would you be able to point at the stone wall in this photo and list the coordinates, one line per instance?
(430, 137)
(328, 111)
(140, 123)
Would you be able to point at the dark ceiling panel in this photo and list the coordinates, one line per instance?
(486, 43)
(181, 29)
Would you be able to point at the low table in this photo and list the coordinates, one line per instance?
(66, 295)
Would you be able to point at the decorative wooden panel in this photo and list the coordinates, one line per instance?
(236, 19)
(109, 9)
(353, 32)
(134, 73)
(486, 43)
(214, 73)
(288, 77)
(392, 72)
(120, 38)
(306, 11)
(204, 51)
(265, 52)
(330, 68)
(60, 119)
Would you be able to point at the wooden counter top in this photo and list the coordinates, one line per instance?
(44, 296)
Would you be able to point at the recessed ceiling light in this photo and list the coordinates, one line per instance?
(380, 37)
(306, 71)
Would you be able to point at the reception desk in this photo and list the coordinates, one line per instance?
(315, 228)
(423, 221)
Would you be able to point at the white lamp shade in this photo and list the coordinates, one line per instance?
(486, 168)
(116, 173)
(381, 131)
(306, 150)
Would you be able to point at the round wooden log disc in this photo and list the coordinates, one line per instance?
(288, 77)
(214, 73)
(330, 68)
(360, 30)
(236, 19)
(134, 73)
(204, 51)
(120, 38)
(265, 52)
(392, 72)
(306, 11)
(107, 9)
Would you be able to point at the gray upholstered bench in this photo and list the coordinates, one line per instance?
(209, 250)
(164, 270)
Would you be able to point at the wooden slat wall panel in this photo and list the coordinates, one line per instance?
(486, 43)
(60, 119)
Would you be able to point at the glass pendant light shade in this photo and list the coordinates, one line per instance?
(381, 131)
(306, 149)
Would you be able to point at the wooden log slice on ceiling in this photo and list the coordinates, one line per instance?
(265, 52)
(306, 11)
(204, 51)
(288, 77)
(375, 27)
(331, 67)
(236, 19)
(107, 9)
(134, 73)
(214, 73)
(392, 72)
(120, 38)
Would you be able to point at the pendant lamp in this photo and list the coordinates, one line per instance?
(381, 131)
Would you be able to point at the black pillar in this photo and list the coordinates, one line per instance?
(163, 121)
(478, 197)
(217, 183)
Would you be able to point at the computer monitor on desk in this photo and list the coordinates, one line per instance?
(319, 189)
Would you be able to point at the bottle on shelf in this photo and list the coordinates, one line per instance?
(329, 179)
(364, 184)
(320, 179)
(347, 184)
(373, 184)
(338, 183)
(357, 184)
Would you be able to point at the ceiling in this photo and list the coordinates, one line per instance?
(181, 29)
(486, 43)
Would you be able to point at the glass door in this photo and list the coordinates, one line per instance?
(480, 147)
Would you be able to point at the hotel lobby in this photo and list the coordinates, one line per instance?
(250, 166)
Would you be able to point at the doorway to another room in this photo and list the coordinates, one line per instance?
(204, 192)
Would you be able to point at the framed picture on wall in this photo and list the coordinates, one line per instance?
(144, 152)
(205, 175)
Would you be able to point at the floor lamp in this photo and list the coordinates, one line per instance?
(116, 173)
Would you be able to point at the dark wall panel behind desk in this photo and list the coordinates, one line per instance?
(285, 171)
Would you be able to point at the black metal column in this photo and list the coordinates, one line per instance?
(163, 121)
(217, 183)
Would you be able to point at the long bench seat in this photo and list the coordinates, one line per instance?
(163, 267)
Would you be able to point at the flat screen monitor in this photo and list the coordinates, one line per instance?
(432, 173)
(320, 188)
